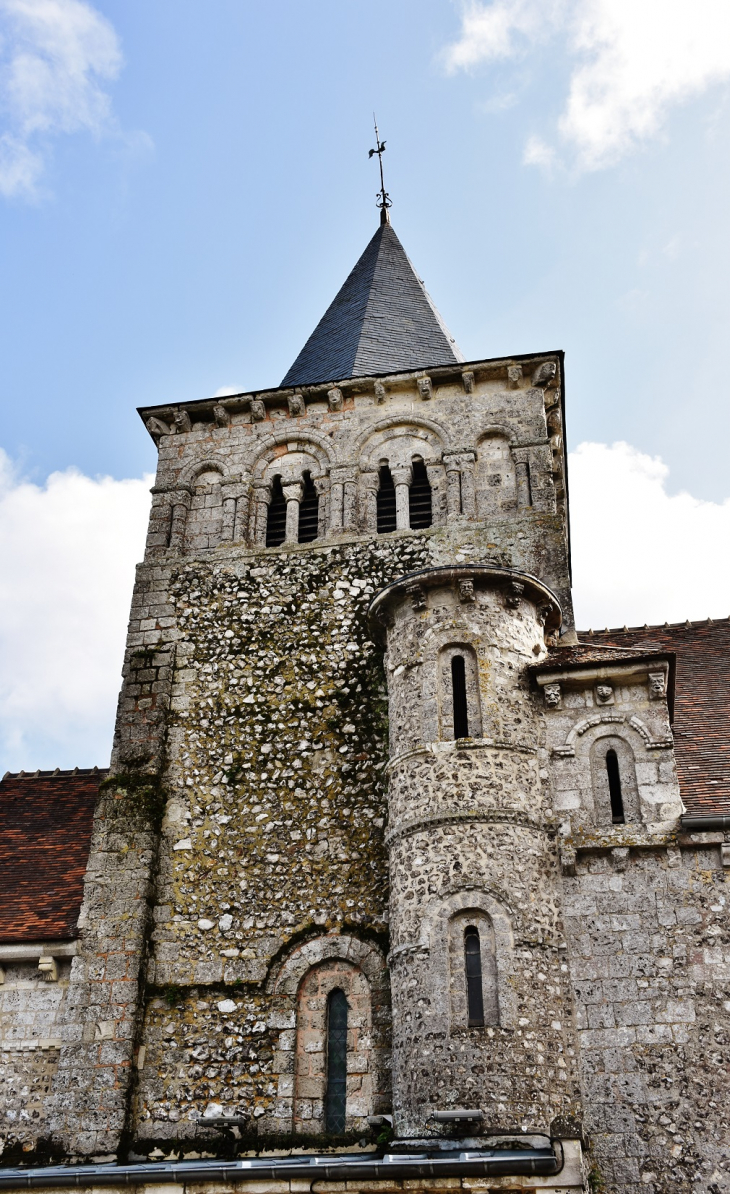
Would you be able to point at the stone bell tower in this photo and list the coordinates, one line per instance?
(329, 801)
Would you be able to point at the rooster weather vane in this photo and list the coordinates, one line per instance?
(383, 200)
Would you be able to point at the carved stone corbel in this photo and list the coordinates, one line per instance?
(380, 393)
(514, 376)
(466, 590)
(181, 420)
(417, 594)
(297, 406)
(221, 417)
(258, 410)
(657, 686)
(553, 695)
(467, 380)
(336, 398)
(157, 428)
(544, 374)
(513, 596)
(425, 388)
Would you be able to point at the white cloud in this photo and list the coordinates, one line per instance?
(54, 57)
(69, 549)
(632, 61)
(640, 554)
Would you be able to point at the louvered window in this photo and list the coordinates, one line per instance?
(386, 501)
(308, 511)
(419, 498)
(276, 519)
(335, 1100)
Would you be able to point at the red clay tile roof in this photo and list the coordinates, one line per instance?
(701, 703)
(45, 831)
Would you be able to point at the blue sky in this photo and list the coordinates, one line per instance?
(184, 186)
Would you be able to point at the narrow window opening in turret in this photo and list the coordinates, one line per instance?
(473, 963)
(419, 498)
(458, 689)
(386, 501)
(308, 511)
(276, 518)
(614, 788)
(335, 1099)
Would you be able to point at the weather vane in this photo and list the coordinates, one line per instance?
(383, 200)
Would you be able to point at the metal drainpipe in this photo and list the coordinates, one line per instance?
(697, 824)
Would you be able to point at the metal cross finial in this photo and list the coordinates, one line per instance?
(383, 201)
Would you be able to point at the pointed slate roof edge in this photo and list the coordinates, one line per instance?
(382, 320)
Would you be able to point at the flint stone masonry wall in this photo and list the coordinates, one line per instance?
(650, 965)
(30, 1011)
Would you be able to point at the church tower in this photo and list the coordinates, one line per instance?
(325, 876)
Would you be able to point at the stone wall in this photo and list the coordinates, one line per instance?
(31, 1008)
(650, 964)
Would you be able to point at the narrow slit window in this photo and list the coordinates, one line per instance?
(473, 963)
(419, 498)
(335, 1100)
(458, 692)
(308, 511)
(614, 788)
(276, 518)
(386, 501)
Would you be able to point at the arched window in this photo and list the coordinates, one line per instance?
(458, 693)
(276, 518)
(335, 1099)
(614, 788)
(473, 966)
(385, 501)
(419, 498)
(308, 511)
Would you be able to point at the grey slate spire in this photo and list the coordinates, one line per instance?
(382, 321)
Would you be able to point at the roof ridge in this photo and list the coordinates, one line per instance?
(55, 774)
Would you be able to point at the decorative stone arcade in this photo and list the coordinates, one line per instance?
(481, 1002)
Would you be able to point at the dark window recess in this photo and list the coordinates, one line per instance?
(458, 690)
(419, 498)
(473, 960)
(614, 788)
(276, 518)
(335, 1099)
(386, 501)
(308, 511)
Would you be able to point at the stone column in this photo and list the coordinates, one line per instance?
(293, 495)
(467, 461)
(230, 489)
(240, 526)
(180, 499)
(521, 458)
(262, 498)
(338, 476)
(439, 494)
(369, 485)
(402, 478)
(349, 504)
(472, 843)
(453, 487)
(322, 486)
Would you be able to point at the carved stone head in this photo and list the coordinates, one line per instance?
(221, 415)
(182, 421)
(657, 685)
(553, 696)
(296, 405)
(335, 398)
(604, 694)
(425, 389)
(514, 594)
(380, 393)
(466, 590)
(258, 410)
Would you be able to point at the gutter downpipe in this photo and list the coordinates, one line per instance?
(506, 1162)
(698, 824)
